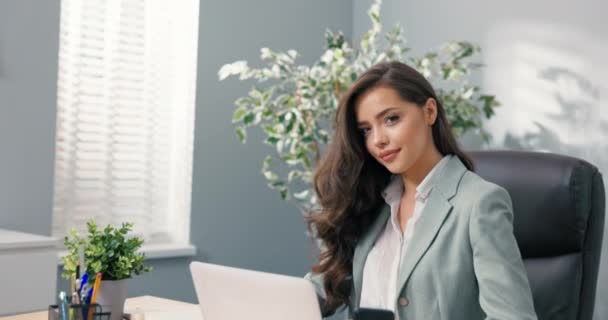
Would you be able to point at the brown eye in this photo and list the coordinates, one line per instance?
(392, 119)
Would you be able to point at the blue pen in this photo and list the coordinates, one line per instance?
(84, 300)
(83, 284)
(84, 280)
(89, 295)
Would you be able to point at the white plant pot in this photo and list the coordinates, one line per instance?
(112, 296)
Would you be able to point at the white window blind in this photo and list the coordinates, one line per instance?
(125, 122)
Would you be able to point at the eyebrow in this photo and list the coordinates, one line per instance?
(379, 115)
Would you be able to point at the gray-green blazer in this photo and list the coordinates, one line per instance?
(463, 261)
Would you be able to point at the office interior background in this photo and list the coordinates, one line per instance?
(545, 61)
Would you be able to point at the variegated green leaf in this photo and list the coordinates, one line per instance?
(295, 105)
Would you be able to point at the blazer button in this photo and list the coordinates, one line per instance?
(404, 302)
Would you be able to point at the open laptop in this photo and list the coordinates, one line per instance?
(226, 293)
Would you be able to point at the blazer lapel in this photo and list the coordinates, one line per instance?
(363, 248)
(427, 226)
(431, 218)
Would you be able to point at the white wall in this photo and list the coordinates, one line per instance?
(546, 60)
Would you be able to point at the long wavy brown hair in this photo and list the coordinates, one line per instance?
(348, 181)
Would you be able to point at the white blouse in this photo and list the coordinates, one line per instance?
(382, 264)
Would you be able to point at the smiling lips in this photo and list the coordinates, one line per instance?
(389, 155)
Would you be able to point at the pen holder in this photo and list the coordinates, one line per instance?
(78, 312)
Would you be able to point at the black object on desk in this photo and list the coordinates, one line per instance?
(79, 311)
(373, 314)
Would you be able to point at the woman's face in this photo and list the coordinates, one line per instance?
(396, 132)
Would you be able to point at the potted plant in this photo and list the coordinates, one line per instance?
(113, 253)
(295, 104)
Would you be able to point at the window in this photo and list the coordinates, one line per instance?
(125, 121)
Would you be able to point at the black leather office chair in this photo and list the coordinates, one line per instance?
(558, 202)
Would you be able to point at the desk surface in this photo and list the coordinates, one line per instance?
(148, 307)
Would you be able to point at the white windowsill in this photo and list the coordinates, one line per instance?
(169, 251)
(15, 240)
(156, 251)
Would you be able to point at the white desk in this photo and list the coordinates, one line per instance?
(141, 308)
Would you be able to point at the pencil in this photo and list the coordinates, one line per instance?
(94, 296)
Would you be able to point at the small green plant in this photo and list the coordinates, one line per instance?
(109, 251)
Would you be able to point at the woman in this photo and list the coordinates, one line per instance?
(406, 223)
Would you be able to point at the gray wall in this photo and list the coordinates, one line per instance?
(236, 220)
(29, 33)
(546, 62)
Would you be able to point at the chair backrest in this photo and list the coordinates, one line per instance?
(558, 203)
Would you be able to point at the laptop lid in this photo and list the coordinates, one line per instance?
(226, 293)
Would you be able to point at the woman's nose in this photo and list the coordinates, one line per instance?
(380, 139)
